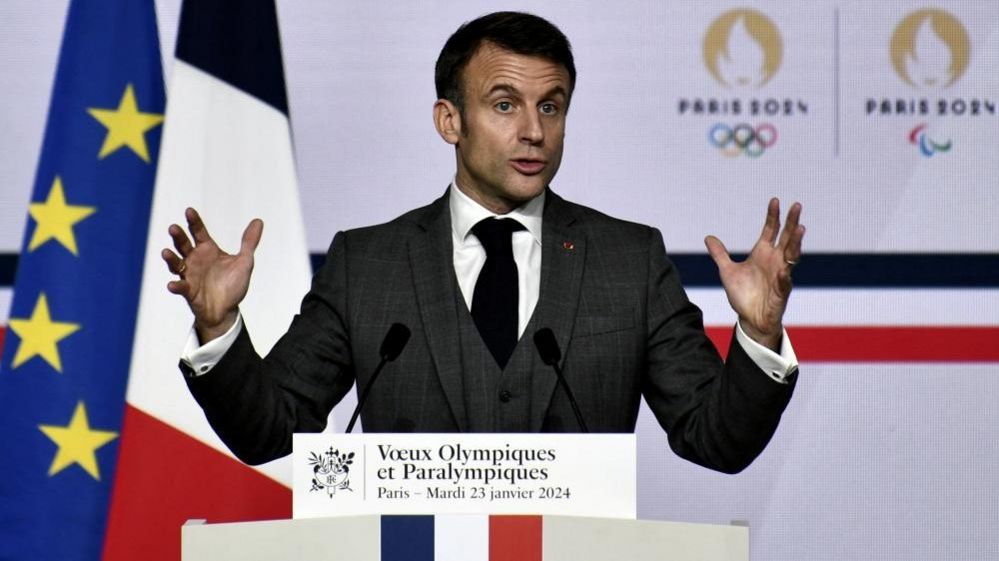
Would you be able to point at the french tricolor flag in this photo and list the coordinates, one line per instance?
(227, 152)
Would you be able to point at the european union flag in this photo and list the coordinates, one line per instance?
(66, 356)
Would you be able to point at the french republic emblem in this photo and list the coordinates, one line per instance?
(331, 471)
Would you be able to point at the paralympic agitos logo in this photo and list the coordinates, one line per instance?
(920, 137)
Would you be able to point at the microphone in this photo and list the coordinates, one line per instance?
(544, 340)
(392, 345)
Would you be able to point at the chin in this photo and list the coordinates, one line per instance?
(526, 192)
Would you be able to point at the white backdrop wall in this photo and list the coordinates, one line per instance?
(874, 460)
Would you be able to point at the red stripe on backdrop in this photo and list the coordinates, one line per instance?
(164, 478)
(514, 538)
(2, 329)
(885, 344)
(876, 344)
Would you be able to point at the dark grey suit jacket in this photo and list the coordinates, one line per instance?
(608, 291)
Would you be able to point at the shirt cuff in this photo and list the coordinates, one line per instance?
(202, 358)
(778, 367)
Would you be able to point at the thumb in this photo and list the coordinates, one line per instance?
(251, 237)
(717, 251)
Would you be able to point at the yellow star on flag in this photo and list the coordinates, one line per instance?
(55, 219)
(77, 443)
(126, 126)
(40, 335)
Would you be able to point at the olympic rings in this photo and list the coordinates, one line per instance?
(743, 138)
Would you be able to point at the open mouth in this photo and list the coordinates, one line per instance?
(528, 166)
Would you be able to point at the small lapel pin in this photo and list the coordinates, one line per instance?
(568, 245)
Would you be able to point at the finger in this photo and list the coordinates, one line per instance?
(784, 284)
(792, 251)
(197, 226)
(772, 222)
(180, 240)
(174, 263)
(718, 252)
(791, 225)
(251, 237)
(180, 287)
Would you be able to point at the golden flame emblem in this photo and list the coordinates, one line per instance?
(930, 48)
(743, 47)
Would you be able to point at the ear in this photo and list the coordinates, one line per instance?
(447, 119)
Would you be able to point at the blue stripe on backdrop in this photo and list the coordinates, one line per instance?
(853, 270)
(840, 270)
(407, 538)
(867, 270)
(8, 268)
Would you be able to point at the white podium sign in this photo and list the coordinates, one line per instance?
(567, 474)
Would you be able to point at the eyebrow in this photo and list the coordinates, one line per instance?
(511, 90)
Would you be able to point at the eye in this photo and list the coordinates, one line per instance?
(504, 106)
(549, 108)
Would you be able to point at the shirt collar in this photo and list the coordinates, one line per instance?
(466, 213)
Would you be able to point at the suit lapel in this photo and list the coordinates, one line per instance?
(430, 256)
(563, 254)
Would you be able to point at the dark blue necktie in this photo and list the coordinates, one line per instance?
(496, 297)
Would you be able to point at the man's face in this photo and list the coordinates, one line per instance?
(509, 145)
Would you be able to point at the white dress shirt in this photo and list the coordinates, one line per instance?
(469, 257)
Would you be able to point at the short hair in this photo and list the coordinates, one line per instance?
(517, 32)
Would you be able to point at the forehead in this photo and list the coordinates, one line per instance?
(492, 65)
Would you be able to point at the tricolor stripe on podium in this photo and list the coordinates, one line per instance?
(465, 538)
(461, 538)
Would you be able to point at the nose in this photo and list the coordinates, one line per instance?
(531, 130)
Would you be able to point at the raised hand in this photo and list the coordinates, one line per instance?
(759, 287)
(212, 281)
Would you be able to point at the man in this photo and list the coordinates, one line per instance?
(474, 290)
